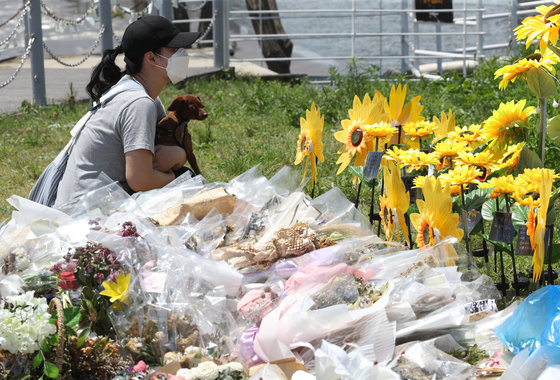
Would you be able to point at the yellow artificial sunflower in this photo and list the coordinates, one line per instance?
(461, 175)
(310, 144)
(499, 185)
(540, 242)
(419, 181)
(380, 130)
(412, 158)
(419, 129)
(483, 161)
(543, 27)
(386, 217)
(506, 123)
(509, 158)
(450, 148)
(356, 143)
(527, 187)
(399, 112)
(519, 68)
(396, 202)
(436, 220)
(444, 126)
(471, 135)
(117, 290)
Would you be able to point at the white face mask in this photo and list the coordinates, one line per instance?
(177, 65)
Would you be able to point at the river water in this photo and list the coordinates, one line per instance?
(496, 31)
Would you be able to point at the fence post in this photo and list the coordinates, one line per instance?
(105, 19)
(404, 31)
(167, 9)
(513, 19)
(480, 36)
(221, 34)
(37, 64)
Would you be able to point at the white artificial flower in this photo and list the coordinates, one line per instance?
(232, 366)
(206, 371)
(25, 323)
(186, 374)
(193, 351)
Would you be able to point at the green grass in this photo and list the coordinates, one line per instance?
(252, 121)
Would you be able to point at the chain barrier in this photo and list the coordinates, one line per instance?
(124, 10)
(117, 39)
(67, 21)
(203, 35)
(23, 59)
(198, 7)
(81, 60)
(16, 14)
(19, 22)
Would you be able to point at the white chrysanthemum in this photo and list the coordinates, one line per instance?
(206, 371)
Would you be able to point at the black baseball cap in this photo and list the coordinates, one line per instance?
(150, 33)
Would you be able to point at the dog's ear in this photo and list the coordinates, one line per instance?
(176, 103)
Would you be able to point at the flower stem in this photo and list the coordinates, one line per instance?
(515, 281)
(466, 234)
(542, 127)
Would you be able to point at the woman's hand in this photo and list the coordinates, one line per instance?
(168, 158)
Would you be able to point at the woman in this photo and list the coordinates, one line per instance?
(118, 139)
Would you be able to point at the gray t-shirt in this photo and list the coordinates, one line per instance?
(123, 124)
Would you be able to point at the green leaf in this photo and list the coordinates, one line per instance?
(51, 370)
(101, 343)
(541, 82)
(519, 215)
(480, 148)
(553, 127)
(489, 208)
(72, 316)
(528, 160)
(497, 173)
(358, 171)
(82, 337)
(498, 245)
(554, 49)
(476, 198)
(38, 359)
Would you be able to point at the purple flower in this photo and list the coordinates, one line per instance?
(57, 268)
(89, 268)
(99, 277)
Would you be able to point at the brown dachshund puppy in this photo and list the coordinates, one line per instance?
(173, 128)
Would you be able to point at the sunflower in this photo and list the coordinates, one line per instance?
(527, 186)
(499, 185)
(543, 27)
(435, 220)
(386, 217)
(506, 123)
(519, 68)
(396, 203)
(483, 161)
(419, 129)
(471, 135)
(540, 230)
(353, 137)
(400, 113)
(310, 144)
(117, 290)
(461, 175)
(510, 157)
(412, 158)
(450, 148)
(380, 130)
(419, 181)
(444, 126)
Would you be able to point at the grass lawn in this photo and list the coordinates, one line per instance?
(252, 122)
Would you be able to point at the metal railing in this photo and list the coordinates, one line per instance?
(393, 25)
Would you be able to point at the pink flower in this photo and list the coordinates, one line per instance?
(140, 367)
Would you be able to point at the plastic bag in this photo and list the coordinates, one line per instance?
(534, 323)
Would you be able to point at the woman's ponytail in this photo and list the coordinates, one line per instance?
(105, 75)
